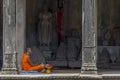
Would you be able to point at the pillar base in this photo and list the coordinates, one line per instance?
(89, 69)
(9, 71)
(90, 77)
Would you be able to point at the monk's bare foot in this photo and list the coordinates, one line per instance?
(49, 66)
(43, 71)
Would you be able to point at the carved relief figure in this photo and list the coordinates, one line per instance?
(45, 27)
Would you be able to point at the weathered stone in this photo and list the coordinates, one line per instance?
(9, 31)
(58, 63)
(61, 54)
(45, 27)
(89, 36)
(104, 58)
(72, 48)
(33, 30)
(76, 63)
(1, 33)
(20, 28)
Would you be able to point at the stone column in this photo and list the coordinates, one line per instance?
(9, 37)
(89, 36)
(20, 29)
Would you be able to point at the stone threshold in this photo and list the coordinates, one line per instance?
(63, 76)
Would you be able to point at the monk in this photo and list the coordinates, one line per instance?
(27, 65)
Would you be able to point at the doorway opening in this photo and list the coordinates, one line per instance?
(54, 32)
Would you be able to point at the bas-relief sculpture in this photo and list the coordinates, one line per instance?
(45, 27)
(46, 32)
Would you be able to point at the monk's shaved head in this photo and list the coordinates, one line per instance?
(28, 50)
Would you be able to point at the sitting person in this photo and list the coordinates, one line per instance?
(27, 65)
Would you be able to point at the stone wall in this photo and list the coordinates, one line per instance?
(72, 17)
(108, 19)
(108, 22)
(32, 18)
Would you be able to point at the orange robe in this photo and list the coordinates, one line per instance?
(26, 65)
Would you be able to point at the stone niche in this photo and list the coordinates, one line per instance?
(57, 52)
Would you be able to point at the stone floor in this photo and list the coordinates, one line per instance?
(108, 71)
(71, 74)
(65, 74)
(100, 72)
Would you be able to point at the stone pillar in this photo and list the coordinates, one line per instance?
(20, 29)
(89, 36)
(9, 37)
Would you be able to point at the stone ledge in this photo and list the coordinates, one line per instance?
(41, 77)
(60, 76)
(90, 77)
(111, 76)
